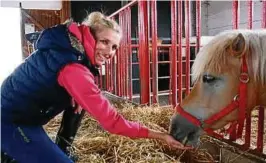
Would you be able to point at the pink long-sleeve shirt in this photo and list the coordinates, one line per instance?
(80, 84)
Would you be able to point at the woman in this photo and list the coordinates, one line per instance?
(63, 67)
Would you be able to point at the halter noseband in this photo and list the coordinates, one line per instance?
(239, 101)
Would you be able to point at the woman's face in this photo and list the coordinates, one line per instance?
(107, 42)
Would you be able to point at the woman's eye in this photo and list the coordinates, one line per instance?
(208, 79)
(104, 41)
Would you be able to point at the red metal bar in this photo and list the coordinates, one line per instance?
(235, 23)
(173, 52)
(126, 53)
(149, 53)
(119, 63)
(263, 23)
(260, 130)
(250, 14)
(107, 76)
(198, 24)
(154, 52)
(235, 20)
(248, 119)
(179, 57)
(112, 75)
(121, 21)
(187, 6)
(109, 63)
(128, 11)
(143, 53)
(123, 55)
(170, 98)
(124, 7)
(117, 89)
(118, 74)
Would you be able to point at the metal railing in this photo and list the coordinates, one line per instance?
(118, 72)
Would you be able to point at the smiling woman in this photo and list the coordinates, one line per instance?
(10, 41)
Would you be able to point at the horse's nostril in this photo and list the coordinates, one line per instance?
(191, 136)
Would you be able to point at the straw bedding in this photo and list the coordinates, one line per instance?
(94, 145)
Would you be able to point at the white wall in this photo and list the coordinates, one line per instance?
(217, 16)
(204, 19)
(10, 41)
(33, 4)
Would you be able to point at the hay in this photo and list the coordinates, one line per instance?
(94, 145)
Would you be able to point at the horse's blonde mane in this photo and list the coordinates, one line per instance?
(214, 55)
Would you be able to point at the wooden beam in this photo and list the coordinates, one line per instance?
(38, 24)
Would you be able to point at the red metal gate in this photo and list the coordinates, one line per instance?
(118, 72)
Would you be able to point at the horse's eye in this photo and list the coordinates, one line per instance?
(208, 79)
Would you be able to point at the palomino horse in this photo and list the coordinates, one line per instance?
(229, 76)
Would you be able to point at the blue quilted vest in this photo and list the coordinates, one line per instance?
(31, 95)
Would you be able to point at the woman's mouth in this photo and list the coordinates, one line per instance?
(100, 58)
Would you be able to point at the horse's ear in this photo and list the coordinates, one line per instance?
(238, 46)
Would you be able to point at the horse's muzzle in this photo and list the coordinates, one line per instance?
(184, 131)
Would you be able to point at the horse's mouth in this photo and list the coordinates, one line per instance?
(191, 139)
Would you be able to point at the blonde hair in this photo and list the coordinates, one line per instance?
(98, 21)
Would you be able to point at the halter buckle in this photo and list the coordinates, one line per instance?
(236, 97)
(244, 78)
(202, 124)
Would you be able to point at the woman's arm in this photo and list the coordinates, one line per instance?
(80, 84)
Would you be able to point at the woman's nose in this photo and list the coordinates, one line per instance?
(109, 53)
(107, 56)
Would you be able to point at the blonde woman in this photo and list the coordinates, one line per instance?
(63, 68)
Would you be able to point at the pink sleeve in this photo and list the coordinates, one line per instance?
(80, 84)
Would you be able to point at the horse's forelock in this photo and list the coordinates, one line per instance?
(213, 56)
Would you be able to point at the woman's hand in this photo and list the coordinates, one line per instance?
(173, 143)
(76, 106)
(167, 139)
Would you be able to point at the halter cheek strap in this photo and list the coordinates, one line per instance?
(239, 101)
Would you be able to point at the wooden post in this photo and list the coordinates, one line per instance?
(65, 12)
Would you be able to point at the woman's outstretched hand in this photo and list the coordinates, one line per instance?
(167, 139)
(174, 143)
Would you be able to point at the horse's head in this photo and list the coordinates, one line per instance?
(229, 75)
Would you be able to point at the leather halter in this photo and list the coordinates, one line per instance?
(239, 101)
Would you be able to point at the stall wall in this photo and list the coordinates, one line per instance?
(217, 16)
